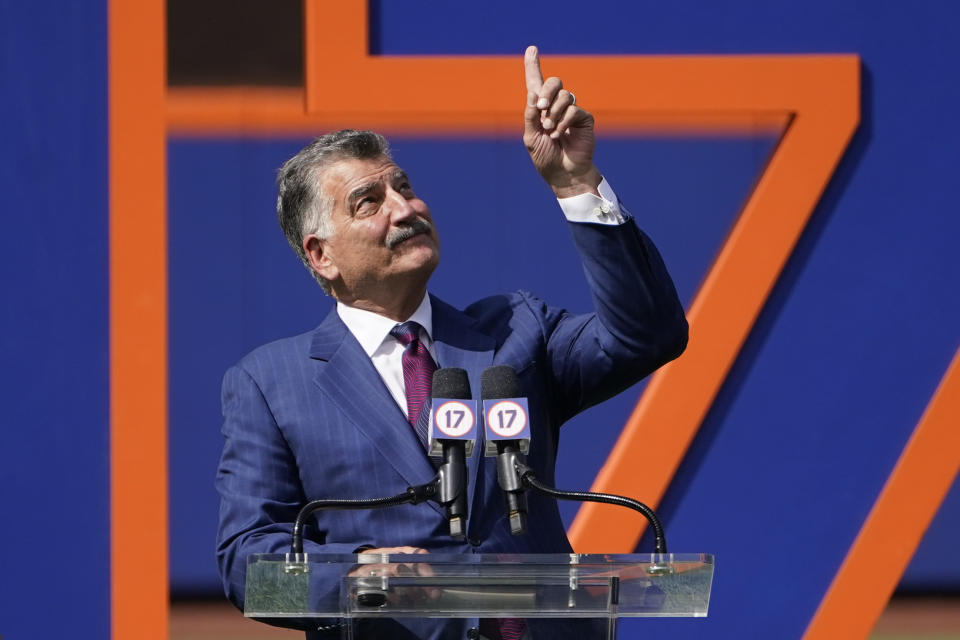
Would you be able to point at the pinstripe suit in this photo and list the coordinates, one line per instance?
(309, 417)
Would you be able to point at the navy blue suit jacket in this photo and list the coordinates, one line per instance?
(309, 417)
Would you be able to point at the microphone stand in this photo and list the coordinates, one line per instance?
(429, 491)
(529, 480)
(413, 495)
(442, 489)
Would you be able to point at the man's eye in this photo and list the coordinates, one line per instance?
(366, 207)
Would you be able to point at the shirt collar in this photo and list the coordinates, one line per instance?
(371, 329)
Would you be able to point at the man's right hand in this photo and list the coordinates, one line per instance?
(557, 133)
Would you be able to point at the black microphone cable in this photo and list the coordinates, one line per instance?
(529, 480)
(413, 495)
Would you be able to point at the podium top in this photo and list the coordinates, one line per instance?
(479, 585)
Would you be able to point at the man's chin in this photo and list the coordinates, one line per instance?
(427, 260)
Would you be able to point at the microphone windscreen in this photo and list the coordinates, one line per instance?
(499, 382)
(452, 383)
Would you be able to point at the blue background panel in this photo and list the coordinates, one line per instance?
(680, 27)
(54, 453)
(236, 284)
(844, 357)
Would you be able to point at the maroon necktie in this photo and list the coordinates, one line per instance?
(418, 368)
(503, 628)
(512, 628)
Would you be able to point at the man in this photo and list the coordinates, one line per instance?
(327, 415)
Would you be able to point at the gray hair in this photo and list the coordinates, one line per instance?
(302, 207)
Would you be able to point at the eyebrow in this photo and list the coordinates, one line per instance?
(366, 189)
(361, 191)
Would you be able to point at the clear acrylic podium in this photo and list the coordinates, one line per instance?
(351, 587)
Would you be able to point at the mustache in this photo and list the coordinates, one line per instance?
(416, 227)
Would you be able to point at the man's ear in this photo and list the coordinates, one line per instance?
(319, 257)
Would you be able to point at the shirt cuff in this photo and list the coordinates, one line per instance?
(587, 207)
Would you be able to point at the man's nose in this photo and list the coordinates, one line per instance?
(399, 208)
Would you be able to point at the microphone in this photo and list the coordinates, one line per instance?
(508, 437)
(452, 435)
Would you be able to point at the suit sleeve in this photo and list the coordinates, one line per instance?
(260, 490)
(638, 324)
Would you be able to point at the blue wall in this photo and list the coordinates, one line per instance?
(54, 464)
(840, 365)
(836, 373)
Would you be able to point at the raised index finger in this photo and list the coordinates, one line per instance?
(531, 63)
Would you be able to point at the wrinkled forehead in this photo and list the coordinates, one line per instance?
(343, 176)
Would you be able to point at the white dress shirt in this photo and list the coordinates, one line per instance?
(372, 331)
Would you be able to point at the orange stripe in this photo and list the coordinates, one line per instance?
(903, 511)
(266, 111)
(138, 317)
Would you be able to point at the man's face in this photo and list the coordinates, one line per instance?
(382, 233)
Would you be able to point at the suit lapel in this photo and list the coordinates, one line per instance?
(351, 381)
(458, 344)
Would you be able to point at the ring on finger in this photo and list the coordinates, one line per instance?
(573, 98)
